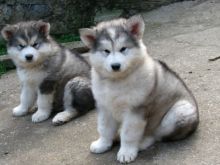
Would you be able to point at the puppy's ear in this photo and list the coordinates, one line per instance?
(43, 28)
(8, 31)
(88, 36)
(136, 26)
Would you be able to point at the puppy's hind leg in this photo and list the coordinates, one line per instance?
(77, 100)
(181, 120)
(146, 143)
(69, 111)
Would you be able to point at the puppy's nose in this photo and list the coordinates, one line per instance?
(116, 66)
(29, 57)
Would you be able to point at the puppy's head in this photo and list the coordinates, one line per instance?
(116, 46)
(28, 43)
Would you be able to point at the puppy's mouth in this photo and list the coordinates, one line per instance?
(29, 61)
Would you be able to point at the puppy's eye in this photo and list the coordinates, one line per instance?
(107, 51)
(36, 45)
(20, 46)
(123, 49)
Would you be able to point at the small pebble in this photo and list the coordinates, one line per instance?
(6, 153)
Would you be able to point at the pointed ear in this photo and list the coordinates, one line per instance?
(8, 31)
(136, 26)
(43, 28)
(88, 36)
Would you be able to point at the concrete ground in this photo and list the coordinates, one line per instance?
(185, 35)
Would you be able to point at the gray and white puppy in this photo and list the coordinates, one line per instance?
(133, 91)
(49, 72)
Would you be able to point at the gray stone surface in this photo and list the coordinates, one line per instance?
(69, 15)
(185, 35)
(65, 16)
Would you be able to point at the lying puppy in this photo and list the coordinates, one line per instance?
(58, 77)
(132, 90)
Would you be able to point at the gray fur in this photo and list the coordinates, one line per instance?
(81, 91)
(103, 34)
(145, 98)
(52, 67)
(157, 106)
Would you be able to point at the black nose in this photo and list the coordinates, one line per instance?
(29, 57)
(116, 66)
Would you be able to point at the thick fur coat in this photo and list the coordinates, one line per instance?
(48, 72)
(134, 92)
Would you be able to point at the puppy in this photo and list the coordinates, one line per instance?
(133, 91)
(48, 72)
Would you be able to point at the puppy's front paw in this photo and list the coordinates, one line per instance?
(127, 155)
(100, 146)
(40, 116)
(19, 111)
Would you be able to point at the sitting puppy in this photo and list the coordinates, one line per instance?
(134, 91)
(58, 77)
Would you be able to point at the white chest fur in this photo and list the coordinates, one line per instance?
(121, 96)
(32, 77)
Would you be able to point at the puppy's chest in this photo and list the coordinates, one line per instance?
(119, 97)
(33, 77)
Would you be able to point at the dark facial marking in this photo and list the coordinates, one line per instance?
(31, 32)
(102, 35)
(20, 46)
(129, 37)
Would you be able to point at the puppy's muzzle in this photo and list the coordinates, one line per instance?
(29, 57)
(116, 67)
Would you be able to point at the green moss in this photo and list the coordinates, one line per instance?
(66, 38)
(3, 50)
(2, 68)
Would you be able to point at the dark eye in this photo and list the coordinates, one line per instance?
(35, 45)
(20, 46)
(107, 51)
(123, 49)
